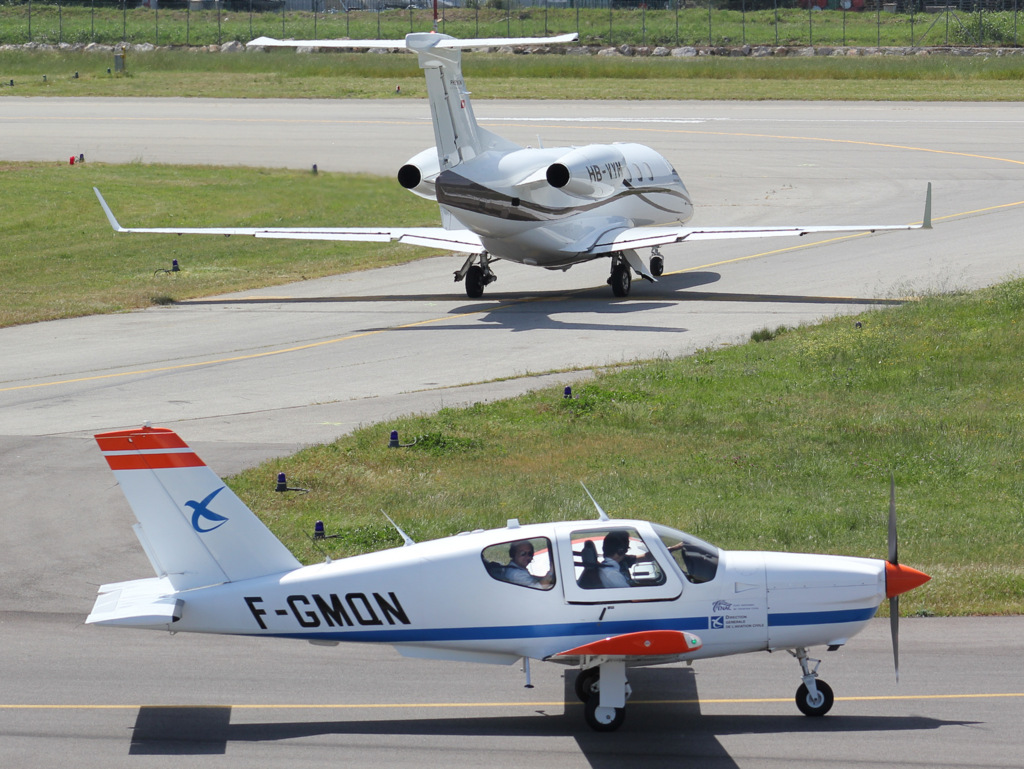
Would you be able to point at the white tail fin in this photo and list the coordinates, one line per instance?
(194, 529)
(456, 133)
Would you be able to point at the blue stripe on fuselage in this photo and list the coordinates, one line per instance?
(821, 617)
(582, 629)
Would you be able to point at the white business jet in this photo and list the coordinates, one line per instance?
(548, 207)
(601, 595)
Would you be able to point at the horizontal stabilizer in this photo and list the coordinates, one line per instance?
(143, 603)
(646, 643)
(416, 41)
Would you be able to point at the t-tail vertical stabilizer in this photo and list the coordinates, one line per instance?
(456, 133)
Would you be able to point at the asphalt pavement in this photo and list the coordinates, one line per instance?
(253, 376)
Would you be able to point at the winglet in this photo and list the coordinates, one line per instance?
(110, 214)
(926, 224)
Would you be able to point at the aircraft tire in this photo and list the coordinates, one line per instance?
(600, 722)
(621, 280)
(475, 282)
(587, 684)
(816, 709)
(657, 266)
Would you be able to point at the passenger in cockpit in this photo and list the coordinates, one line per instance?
(614, 548)
(520, 554)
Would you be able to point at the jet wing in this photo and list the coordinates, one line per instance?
(620, 239)
(645, 644)
(465, 241)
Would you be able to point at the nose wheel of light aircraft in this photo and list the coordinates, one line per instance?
(814, 697)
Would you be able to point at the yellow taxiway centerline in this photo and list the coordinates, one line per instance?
(434, 705)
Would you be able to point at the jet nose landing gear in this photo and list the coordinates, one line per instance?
(477, 273)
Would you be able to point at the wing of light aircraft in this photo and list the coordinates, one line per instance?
(654, 595)
(546, 207)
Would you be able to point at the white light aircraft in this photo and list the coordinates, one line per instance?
(541, 591)
(547, 207)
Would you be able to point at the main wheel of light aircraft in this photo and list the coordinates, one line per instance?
(550, 207)
(654, 595)
(587, 684)
(602, 719)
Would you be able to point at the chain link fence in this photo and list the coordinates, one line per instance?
(603, 23)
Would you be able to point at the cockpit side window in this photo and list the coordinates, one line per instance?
(696, 559)
(616, 557)
(524, 562)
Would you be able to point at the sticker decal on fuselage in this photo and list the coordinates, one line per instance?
(734, 616)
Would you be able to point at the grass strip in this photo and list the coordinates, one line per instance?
(61, 259)
(285, 74)
(786, 444)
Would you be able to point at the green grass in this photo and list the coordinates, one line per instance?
(284, 74)
(781, 445)
(61, 259)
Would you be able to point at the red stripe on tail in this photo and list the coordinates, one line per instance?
(153, 461)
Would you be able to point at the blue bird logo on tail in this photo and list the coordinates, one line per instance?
(201, 511)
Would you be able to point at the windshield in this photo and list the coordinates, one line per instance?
(697, 559)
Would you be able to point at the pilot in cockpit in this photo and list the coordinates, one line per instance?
(520, 555)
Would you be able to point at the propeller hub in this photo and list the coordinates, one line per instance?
(899, 579)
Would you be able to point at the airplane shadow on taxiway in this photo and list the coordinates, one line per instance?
(663, 727)
(676, 287)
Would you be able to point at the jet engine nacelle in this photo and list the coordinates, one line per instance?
(594, 171)
(420, 172)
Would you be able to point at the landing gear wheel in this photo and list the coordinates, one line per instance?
(657, 266)
(588, 684)
(620, 280)
(475, 282)
(815, 706)
(602, 719)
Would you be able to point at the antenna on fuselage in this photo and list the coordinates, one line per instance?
(600, 511)
(405, 537)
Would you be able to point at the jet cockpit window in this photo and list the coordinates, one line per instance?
(616, 557)
(697, 559)
(525, 562)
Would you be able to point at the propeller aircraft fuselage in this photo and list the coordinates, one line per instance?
(601, 595)
(544, 207)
